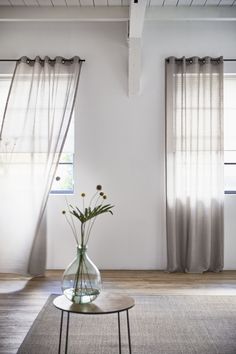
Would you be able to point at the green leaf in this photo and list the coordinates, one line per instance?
(90, 213)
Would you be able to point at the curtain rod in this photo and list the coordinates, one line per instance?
(233, 59)
(34, 59)
(83, 60)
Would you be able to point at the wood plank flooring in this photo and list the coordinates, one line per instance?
(21, 299)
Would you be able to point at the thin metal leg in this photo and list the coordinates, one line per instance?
(67, 331)
(119, 332)
(59, 346)
(128, 327)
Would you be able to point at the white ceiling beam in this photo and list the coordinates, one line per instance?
(69, 14)
(116, 13)
(136, 18)
(134, 65)
(136, 23)
(193, 13)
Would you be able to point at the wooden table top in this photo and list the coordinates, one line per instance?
(105, 303)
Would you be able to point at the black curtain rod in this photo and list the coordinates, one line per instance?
(201, 59)
(34, 59)
(83, 60)
(179, 59)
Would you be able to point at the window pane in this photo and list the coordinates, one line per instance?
(230, 156)
(230, 131)
(63, 181)
(66, 158)
(230, 177)
(65, 171)
(230, 112)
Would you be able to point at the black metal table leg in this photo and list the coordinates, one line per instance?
(59, 346)
(119, 332)
(128, 328)
(67, 331)
(107, 304)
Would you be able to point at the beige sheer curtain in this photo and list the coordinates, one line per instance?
(33, 131)
(194, 164)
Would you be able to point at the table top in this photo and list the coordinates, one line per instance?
(105, 303)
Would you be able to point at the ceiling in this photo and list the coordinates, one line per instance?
(108, 3)
(135, 14)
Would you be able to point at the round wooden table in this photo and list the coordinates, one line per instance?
(106, 303)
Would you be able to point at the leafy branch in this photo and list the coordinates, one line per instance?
(90, 213)
(87, 215)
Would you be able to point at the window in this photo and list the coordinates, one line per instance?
(64, 180)
(230, 133)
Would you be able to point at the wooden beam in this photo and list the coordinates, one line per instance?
(136, 23)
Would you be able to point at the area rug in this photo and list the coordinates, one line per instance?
(159, 324)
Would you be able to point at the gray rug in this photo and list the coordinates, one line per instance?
(159, 324)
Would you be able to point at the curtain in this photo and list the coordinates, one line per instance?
(33, 131)
(194, 164)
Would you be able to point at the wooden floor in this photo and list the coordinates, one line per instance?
(21, 299)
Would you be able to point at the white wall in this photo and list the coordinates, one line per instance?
(120, 140)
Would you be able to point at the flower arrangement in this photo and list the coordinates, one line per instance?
(81, 281)
(87, 215)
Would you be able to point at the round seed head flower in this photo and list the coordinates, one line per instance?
(104, 197)
(99, 187)
(63, 211)
(101, 194)
(83, 195)
(58, 178)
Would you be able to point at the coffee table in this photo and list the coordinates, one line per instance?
(106, 303)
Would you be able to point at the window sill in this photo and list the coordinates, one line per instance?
(62, 192)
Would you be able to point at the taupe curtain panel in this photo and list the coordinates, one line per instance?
(194, 164)
(33, 132)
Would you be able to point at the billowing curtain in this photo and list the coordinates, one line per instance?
(33, 131)
(194, 164)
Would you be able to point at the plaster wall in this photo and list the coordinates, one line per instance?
(120, 139)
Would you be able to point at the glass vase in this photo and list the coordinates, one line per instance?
(81, 281)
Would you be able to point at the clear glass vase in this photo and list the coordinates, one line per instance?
(81, 281)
